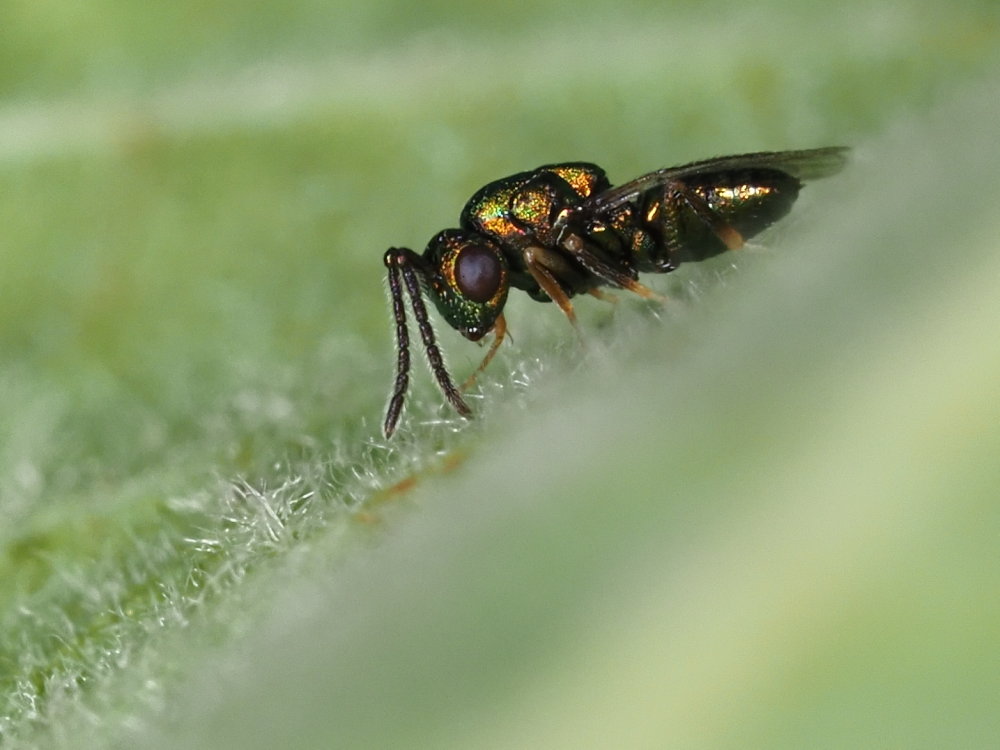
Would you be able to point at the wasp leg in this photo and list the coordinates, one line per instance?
(576, 246)
(722, 229)
(499, 331)
(603, 296)
(644, 291)
(547, 281)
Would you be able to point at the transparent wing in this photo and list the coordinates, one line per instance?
(808, 164)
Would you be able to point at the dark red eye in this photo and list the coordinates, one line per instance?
(478, 273)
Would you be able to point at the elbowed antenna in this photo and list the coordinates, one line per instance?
(405, 264)
(402, 346)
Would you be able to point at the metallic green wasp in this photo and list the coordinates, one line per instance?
(562, 230)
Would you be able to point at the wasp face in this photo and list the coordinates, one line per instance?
(467, 280)
(466, 276)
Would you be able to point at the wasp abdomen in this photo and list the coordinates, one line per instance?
(691, 213)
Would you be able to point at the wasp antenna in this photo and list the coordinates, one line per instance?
(392, 260)
(434, 357)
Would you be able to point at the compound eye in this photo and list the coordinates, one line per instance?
(478, 273)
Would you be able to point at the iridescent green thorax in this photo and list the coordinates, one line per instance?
(524, 207)
(585, 178)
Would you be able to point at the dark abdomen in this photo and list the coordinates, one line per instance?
(749, 201)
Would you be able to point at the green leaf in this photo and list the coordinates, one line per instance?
(765, 517)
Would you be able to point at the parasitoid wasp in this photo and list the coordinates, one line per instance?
(562, 230)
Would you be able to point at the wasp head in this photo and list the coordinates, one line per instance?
(467, 281)
(466, 276)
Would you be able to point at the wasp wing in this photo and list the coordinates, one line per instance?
(807, 164)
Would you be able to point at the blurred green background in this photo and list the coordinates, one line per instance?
(767, 519)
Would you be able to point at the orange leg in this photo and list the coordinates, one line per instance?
(602, 295)
(544, 278)
(499, 331)
(730, 237)
(643, 291)
(574, 244)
